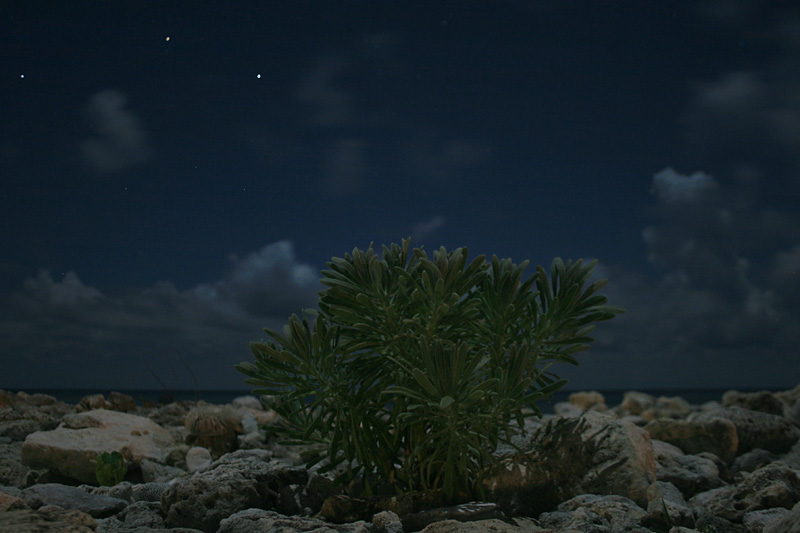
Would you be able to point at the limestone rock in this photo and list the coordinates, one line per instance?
(789, 523)
(465, 512)
(22, 414)
(756, 429)
(635, 403)
(12, 471)
(47, 519)
(92, 401)
(588, 400)
(763, 401)
(759, 520)
(235, 482)
(198, 459)
(121, 402)
(668, 407)
(11, 503)
(72, 449)
(707, 434)
(667, 507)
(593, 454)
(68, 497)
(261, 521)
(590, 512)
(689, 473)
(752, 461)
(387, 522)
(480, 526)
(774, 485)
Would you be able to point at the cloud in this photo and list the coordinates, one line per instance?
(422, 230)
(670, 186)
(750, 118)
(67, 334)
(722, 308)
(120, 139)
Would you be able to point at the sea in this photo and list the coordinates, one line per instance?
(612, 397)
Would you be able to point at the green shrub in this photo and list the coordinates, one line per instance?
(110, 468)
(415, 369)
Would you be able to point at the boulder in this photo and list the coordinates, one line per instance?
(592, 454)
(590, 512)
(92, 401)
(261, 521)
(588, 400)
(121, 402)
(710, 434)
(12, 471)
(689, 473)
(22, 414)
(493, 525)
(756, 429)
(68, 497)
(667, 407)
(774, 485)
(635, 403)
(46, 519)
(73, 448)
(235, 482)
(763, 401)
(788, 523)
(667, 507)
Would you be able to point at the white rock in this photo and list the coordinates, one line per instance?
(198, 459)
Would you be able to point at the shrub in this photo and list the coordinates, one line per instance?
(414, 369)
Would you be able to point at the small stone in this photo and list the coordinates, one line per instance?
(198, 459)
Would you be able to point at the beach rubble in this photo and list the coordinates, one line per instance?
(647, 464)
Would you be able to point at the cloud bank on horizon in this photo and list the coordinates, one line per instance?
(713, 312)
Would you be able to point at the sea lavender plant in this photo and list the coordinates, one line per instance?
(414, 369)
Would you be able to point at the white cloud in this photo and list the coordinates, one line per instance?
(120, 139)
(671, 186)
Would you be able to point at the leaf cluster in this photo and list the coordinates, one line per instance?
(416, 368)
(110, 469)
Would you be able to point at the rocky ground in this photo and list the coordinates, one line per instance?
(648, 464)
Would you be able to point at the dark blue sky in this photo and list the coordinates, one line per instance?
(174, 179)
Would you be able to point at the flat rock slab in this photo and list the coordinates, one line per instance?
(73, 448)
(67, 497)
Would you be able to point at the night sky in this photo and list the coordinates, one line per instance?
(173, 178)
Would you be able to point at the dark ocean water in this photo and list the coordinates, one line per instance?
(613, 397)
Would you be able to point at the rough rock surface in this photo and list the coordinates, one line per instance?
(235, 482)
(699, 478)
(96, 505)
(756, 429)
(73, 448)
(774, 485)
(594, 453)
(50, 519)
(710, 434)
(689, 473)
(260, 521)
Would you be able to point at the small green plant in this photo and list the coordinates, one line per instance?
(414, 369)
(110, 469)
